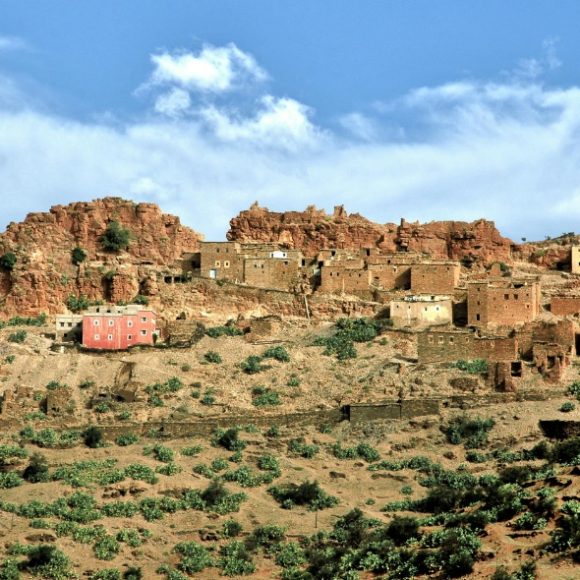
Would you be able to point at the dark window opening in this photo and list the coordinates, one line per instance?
(551, 362)
(516, 369)
(477, 317)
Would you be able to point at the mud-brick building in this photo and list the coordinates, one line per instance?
(119, 327)
(345, 276)
(68, 327)
(503, 302)
(221, 261)
(439, 346)
(421, 311)
(565, 305)
(435, 277)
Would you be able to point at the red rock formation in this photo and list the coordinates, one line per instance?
(44, 275)
(314, 230)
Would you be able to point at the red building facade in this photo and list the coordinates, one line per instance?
(118, 328)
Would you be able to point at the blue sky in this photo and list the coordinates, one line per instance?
(428, 110)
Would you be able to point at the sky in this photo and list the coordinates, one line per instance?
(446, 110)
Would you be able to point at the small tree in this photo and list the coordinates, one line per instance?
(37, 469)
(93, 437)
(115, 238)
(78, 256)
(8, 261)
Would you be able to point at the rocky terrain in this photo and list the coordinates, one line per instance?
(314, 230)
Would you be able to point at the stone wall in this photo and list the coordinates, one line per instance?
(434, 278)
(565, 305)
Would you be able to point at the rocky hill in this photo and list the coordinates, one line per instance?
(313, 230)
(44, 274)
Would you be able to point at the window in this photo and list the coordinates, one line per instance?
(97, 337)
(226, 264)
(70, 324)
(440, 340)
(130, 323)
(109, 337)
(111, 323)
(129, 337)
(143, 333)
(143, 319)
(430, 339)
(506, 296)
(95, 322)
(516, 296)
(450, 340)
(217, 264)
(477, 317)
(62, 324)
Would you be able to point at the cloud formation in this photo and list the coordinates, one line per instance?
(506, 150)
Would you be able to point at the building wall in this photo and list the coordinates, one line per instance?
(118, 332)
(561, 332)
(405, 313)
(449, 346)
(390, 276)
(271, 272)
(502, 305)
(221, 260)
(434, 278)
(565, 305)
(68, 327)
(575, 260)
(338, 278)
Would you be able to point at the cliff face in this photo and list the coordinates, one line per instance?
(314, 230)
(44, 274)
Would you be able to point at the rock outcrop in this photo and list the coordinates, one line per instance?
(44, 275)
(313, 230)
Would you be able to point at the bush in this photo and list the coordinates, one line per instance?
(160, 452)
(126, 439)
(10, 452)
(191, 451)
(290, 555)
(269, 463)
(115, 238)
(361, 451)
(18, 337)
(278, 353)
(308, 493)
(231, 529)
(37, 469)
(471, 432)
(235, 560)
(567, 533)
(228, 330)
(567, 407)
(107, 574)
(77, 303)
(9, 480)
(267, 537)
(300, 447)
(252, 366)
(8, 261)
(567, 451)
(9, 570)
(93, 437)
(401, 530)
(106, 548)
(574, 389)
(140, 299)
(265, 397)
(78, 256)
(475, 367)
(213, 357)
(46, 561)
(194, 557)
(229, 439)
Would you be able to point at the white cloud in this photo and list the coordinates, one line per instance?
(360, 126)
(212, 70)
(506, 151)
(174, 103)
(281, 123)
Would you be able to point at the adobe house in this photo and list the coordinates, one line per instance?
(435, 277)
(119, 327)
(68, 327)
(565, 305)
(551, 360)
(421, 311)
(274, 268)
(505, 302)
(437, 346)
(344, 276)
(221, 261)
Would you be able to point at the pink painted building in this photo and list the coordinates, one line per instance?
(118, 327)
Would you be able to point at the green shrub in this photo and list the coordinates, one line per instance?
(116, 238)
(126, 439)
(77, 303)
(218, 499)
(10, 452)
(9, 480)
(194, 557)
(278, 353)
(50, 438)
(272, 432)
(102, 407)
(567, 533)
(229, 439)
(270, 463)
(78, 256)
(361, 451)
(228, 330)
(213, 357)
(574, 389)
(18, 337)
(300, 447)
(107, 574)
(268, 537)
(160, 452)
(245, 477)
(471, 432)
(252, 365)
(191, 451)
(474, 367)
(290, 555)
(46, 561)
(265, 397)
(106, 548)
(567, 451)
(93, 437)
(231, 529)
(140, 299)
(37, 469)
(567, 407)
(308, 493)
(235, 560)
(169, 469)
(293, 381)
(8, 261)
